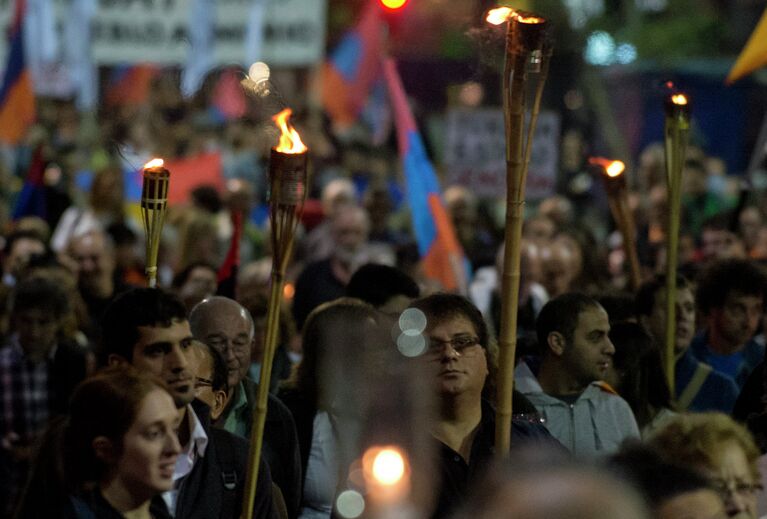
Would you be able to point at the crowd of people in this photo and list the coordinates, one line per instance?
(118, 400)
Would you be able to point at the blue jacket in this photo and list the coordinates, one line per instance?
(753, 354)
(718, 392)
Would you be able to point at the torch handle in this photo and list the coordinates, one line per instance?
(619, 207)
(676, 136)
(260, 410)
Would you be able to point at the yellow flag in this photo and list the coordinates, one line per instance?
(753, 55)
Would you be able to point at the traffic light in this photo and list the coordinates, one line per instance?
(393, 5)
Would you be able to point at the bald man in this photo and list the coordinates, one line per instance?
(223, 324)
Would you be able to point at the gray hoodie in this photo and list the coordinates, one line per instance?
(595, 425)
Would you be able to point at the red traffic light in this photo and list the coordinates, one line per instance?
(393, 5)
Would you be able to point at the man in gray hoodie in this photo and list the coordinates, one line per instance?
(586, 416)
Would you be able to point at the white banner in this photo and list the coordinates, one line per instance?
(156, 31)
(475, 153)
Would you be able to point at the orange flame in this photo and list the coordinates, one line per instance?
(154, 163)
(385, 465)
(613, 168)
(502, 14)
(499, 15)
(679, 99)
(290, 141)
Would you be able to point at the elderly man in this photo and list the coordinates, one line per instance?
(587, 418)
(148, 329)
(458, 358)
(226, 326)
(94, 255)
(326, 280)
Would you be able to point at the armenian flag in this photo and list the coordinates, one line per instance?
(17, 99)
(442, 256)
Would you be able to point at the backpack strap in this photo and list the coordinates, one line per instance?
(229, 479)
(693, 387)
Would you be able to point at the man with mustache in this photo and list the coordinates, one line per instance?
(148, 328)
(588, 418)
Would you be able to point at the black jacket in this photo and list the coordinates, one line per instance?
(204, 493)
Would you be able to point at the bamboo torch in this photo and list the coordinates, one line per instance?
(154, 206)
(527, 51)
(287, 192)
(612, 172)
(677, 131)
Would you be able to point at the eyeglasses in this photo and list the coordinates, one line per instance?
(238, 345)
(729, 488)
(462, 345)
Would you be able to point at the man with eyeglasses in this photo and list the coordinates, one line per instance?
(226, 326)
(459, 358)
(588, 418)
(148, 328)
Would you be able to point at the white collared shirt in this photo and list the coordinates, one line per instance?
(198, 442)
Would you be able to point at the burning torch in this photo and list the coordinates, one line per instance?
(154, 206)
(287, 192)
(677, 133)
(612, 172)
(527, 51)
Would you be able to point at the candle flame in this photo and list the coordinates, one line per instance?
(679, 99)
(154, 163)
(502, 14)
(388, 466)
(290, 141)
(612, 168)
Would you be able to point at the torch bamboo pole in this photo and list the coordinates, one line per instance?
(287, 174)
(677, 128)
(517, 160)
(619, 207)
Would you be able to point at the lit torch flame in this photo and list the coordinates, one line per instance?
(613, 168)
(679, 99)
(502, 14)
(499, 15)
(154, 163)
(384, 466)
(290, 141)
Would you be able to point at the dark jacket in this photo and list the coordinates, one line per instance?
(203, 494)
(281, 450)
(303, 411)
(456, 477)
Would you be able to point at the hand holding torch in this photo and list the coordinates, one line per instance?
(287, 193)
(677, 131)
(527, 51)
(154, 205)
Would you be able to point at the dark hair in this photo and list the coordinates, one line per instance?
(40, 293)
(220, 378)
(644, 301)
(376, 284)
(657, 480)
(724, 277)
(618, 305)
(342, 319)
(15, 236)
(441, 306)
(642, 382)
(206, 197)
(131, 309)
(181, 277)
(121, 234)
(561, 315)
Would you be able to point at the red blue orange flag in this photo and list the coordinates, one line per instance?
(17, 99)
(441, 253)
(227, 273)
(353, 67)
(32, 200)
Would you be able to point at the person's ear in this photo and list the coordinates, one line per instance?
(556, 343)
(220, 399)
(116, 360)
(104, 449)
